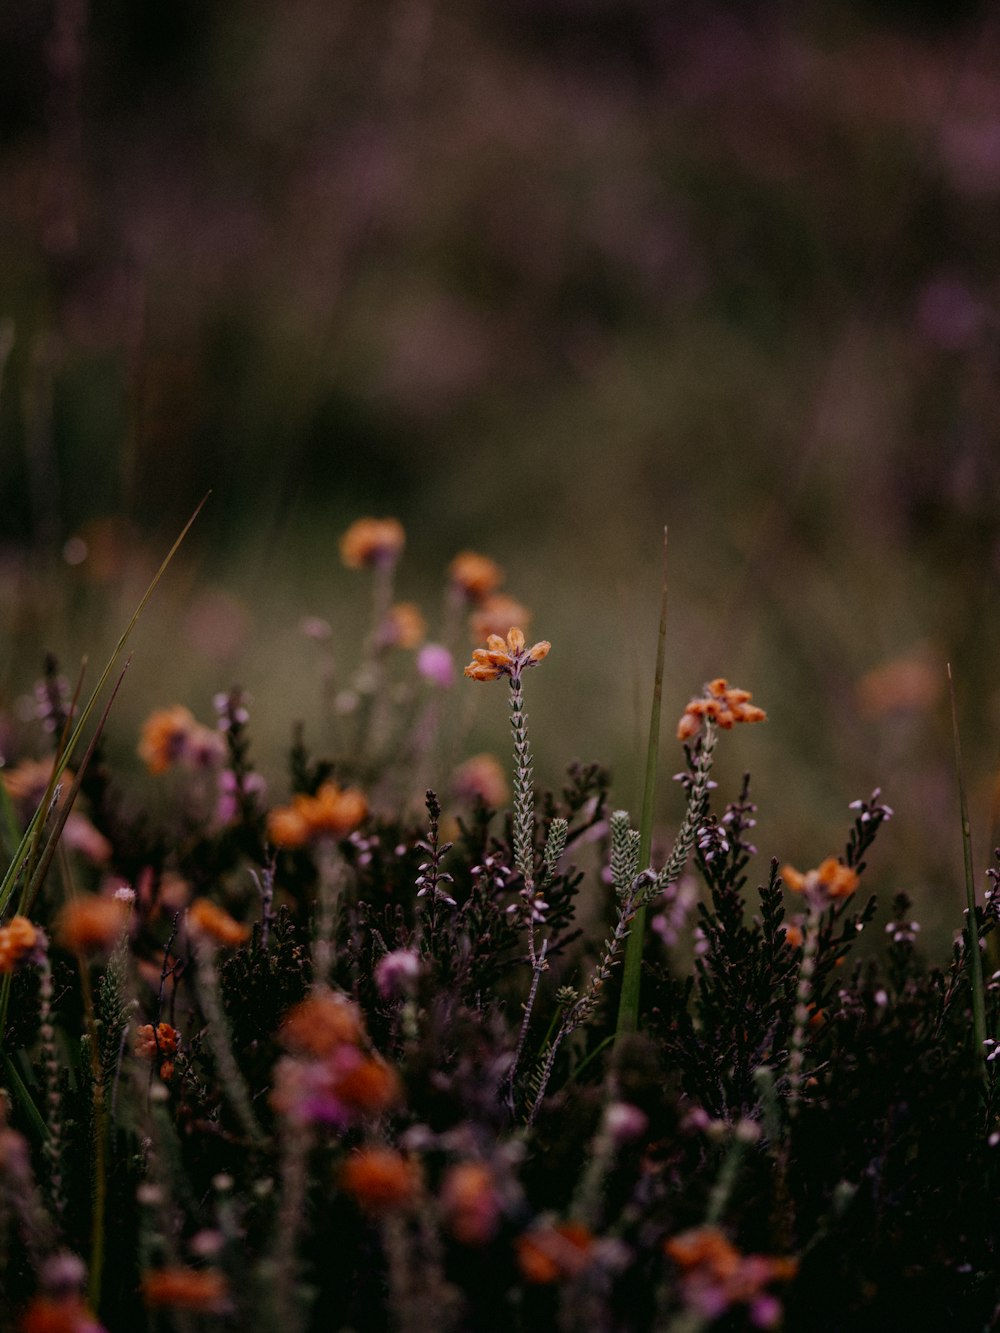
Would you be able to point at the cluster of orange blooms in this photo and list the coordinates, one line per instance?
(17, 939)
(173, 736)
(91, 923)
(371, 542)
(830, 880)
(59, 1314)
(332, 813)
(380, 1179)
(505, 657)
(207, 920)
(199, 1290)
(162, 1041)
(330, 1077)
(548, 1254)
(718, 1276)
(720, 703)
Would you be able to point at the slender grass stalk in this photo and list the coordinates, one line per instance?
(9, 880)
(972, 933)
(628, 1004)
(217, 1031)
(803, 995)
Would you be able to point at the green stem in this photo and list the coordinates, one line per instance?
(628, 1004)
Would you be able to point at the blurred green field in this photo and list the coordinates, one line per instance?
(537, 278)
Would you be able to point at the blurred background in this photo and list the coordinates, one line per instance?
(536, 277)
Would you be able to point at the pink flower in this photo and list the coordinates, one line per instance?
(436, 666)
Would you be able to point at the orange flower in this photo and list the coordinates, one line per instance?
(380, 1179)
(481, 776)
(404, 626)
(369, 1086)
(475, 576)
(320, 1023)
(550, 1253)
(287, 827)
(505, 658)
(27, 783)
(165, 1039)
(902, 685)
(793, 936)
(333, 811)
(91, 923)
(497, 615)
(470, 1202)
(17, 939)
(211, 922)
(722, 704)
(830, 880)
(164, 737)
(703, 1246)
(372, 541)
(199, 1290)
(66, 1314)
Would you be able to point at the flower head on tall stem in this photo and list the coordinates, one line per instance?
(720, 703)
(506, 657)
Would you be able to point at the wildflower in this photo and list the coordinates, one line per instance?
(497, 615)
(505, 658)
(365, 1086)
(722, 704)
(470, 1203)
(380, 1179)
(18, 939)
(403, 627)
(27, 782)
(793, 936)
(831, 880)
(549, 1253)
(91, 923)
(64, 1314)
(475, 576)
(164, 736)
(333, 812)
(173, 736)
(372, 542)
(716, 1276)
(162, 1042)
(624, 1122)
(320, 1023)
(396, 972)
(210, 922)
(202, 1291)
(481, 778)
(436, 665)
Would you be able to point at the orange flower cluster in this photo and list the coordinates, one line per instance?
(548, 1254)
(475, 576)
(470, 1202)
(481, 776)
(380, 1179)
(17, 939)
(202, 1291)
(333, 812)
(62, 1314)
(828, 881)
(505, 657)
(209, 921)
(722, 704)
(320, 1023)
(403, 627)
(163, 1041)
(717, 1276)
(174, 736)
(370, 542)
(92, 923)
(330, 1078)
